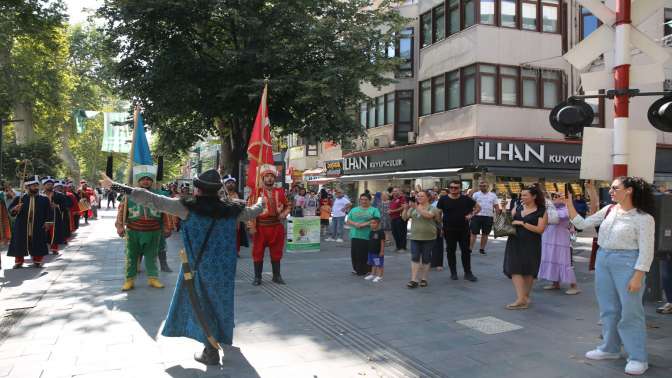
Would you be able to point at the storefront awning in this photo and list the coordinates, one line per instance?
(444, 172)
(534, 172)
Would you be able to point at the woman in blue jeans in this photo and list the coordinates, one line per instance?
(626, 239)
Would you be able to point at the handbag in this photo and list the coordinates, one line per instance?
(503, 224)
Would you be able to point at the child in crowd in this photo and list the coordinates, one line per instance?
(376, 251)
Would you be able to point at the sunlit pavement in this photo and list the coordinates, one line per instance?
(70, 319)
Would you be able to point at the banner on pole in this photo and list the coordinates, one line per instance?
(116, 133)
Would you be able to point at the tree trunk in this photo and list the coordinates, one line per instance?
(24, 130)
(233, 144)
(67, 156)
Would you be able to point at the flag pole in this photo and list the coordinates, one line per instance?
(131, 152)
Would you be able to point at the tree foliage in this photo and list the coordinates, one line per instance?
(198, 66)
(41, 153)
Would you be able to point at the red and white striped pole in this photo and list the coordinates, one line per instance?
(621, 83)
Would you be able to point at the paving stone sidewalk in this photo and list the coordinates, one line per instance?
(71, 320)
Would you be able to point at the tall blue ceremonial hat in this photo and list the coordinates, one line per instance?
(48, 179)
(228, 178)
(30, 180)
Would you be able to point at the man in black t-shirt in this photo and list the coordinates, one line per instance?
(457, 211)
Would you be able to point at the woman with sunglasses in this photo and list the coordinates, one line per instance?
(626, 240)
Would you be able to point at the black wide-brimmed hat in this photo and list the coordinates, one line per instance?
(209, 180)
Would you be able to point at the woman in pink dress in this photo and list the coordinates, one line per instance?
(556, 256)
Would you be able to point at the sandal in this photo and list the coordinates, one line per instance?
(513, 306)
(423, 283)
(412, 284)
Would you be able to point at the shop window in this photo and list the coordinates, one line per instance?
(453, 16)
(439, 23)
(453, 89)
(425, 97)
(529, 12)
(426, 29)
(438, 94)
(550, 9)
(372, 115)
(487, 10)
(404, 51)
(380, 111)
(363, 115)
(389, 108)
(469, 88)
(509, 85)
(488, 83)
(551, 85)
(468, 13)
(587, 24)
(508, 13)
(404, 115)
(530, 84)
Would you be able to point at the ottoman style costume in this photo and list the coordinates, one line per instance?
(202, 304)
(29, 236)
(59, 203)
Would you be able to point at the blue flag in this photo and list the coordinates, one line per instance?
(141, 154)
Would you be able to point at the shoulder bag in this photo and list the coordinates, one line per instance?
(503, 224)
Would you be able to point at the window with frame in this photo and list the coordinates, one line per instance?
(389, 108)
(438, 93)
(380, 111)
(426, 29)
(372, 115)
(550, 12)
(404, 115)
(551, 88)
(530, 88)
(487, 10)
(438, 24)
(487, 83)
(405, 52)
(363, 115)
(453, 16)
(469, 85)
(508, 79)
(508, 13)
(667, 27)
(529, 14)
(425, 97)
(453, 92)
(468, 13)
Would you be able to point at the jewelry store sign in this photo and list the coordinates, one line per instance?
(530, 154)
(363, 163)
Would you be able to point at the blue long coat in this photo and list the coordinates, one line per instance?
(18, 245)
(215, 278)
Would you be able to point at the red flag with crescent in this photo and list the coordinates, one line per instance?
(259, 149)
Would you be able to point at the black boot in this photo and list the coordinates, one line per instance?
(209, 356)
(163, 261)
(277, 278)
(258, 268)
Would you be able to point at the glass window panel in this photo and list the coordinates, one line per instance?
(406, 53)
(551, 75)
(372, 115)
(380, 110)
(439, 23)
(529, 16)
(667, 29)
(509, 91)
(363, 115)
(405, 109)
(508, 13)
(389, 110)
(488, 89)
(469, 80)
(453, 16)
(425, 97)
(508, 71)
(588, 23)
(550, 94)
(486, 68)
(439, 94)
(530, 93)
(453, 89)
(550, 19)
(426, 29)
(469, 12)
(488, 12)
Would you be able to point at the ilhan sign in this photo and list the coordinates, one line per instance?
(531, 153)
(362, 163)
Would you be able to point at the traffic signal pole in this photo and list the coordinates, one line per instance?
(622, 61)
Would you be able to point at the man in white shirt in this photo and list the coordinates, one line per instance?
(482, 222)
(338, 210)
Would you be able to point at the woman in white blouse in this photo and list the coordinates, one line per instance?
(626, 240)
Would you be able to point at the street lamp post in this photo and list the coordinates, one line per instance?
(4, 122)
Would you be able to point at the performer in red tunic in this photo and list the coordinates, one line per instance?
(267, 229)
(74, 209)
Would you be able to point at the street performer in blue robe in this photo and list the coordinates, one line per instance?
(33, 219)
(202, 304)
(59, 203)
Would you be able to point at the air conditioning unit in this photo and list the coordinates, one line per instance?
(380, 141)
(411, 137)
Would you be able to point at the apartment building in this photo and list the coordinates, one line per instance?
(474, 92)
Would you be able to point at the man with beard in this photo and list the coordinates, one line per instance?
(58, 205)
(267, 229)
(32, 212)
(143, 227)
(202, 305)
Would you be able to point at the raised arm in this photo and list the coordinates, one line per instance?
(146, 198)
(253, 211)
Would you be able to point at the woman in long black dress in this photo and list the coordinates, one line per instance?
(523, 251)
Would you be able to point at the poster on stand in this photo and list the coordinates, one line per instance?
(303, 234)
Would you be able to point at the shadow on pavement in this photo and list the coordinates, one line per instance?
(234, 365)
(16, 277)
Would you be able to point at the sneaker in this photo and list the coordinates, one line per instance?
(636, 367)
(470, 277)
(329, 239)
(482, 251)
(369, 277)
(573, 291)
(597, 354)
(665, 309)
(377, 279)
(339, 240)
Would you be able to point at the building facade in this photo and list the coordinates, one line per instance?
(474, 91)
